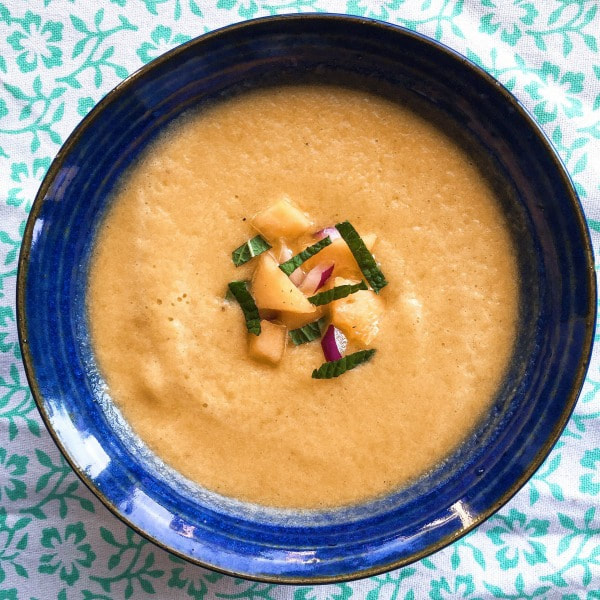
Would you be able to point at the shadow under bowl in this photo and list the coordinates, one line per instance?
(558, 303)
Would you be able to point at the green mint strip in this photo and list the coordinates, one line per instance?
(339, 291)
(246, 301)
(289, 266)
(257, 245)
(305, 334)
(363, 257)
(336, 368)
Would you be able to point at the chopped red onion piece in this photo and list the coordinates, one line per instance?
(331, 232)
(297, 277)
(334, 344)
(316, 278)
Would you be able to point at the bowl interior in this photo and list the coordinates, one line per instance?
(531, 407)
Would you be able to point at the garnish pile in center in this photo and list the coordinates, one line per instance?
(317, 293)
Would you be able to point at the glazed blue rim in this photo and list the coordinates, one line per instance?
(347, 544)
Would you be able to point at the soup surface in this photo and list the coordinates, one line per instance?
(174, 353)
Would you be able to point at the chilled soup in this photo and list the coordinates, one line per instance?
(174, 352)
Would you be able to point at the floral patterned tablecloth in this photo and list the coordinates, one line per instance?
(57, 59)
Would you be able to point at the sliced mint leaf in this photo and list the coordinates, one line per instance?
(257, 245)
(363, 257)
(337, 292)
(308, 333)
(289, 266)
(336, 368)
(240, 292)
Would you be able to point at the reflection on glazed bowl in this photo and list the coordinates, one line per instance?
(557, 311)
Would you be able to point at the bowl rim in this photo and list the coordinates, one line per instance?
(121, 88)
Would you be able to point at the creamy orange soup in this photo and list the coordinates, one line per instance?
(174, 353)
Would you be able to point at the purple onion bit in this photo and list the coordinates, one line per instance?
(334, 344)
(331, 232)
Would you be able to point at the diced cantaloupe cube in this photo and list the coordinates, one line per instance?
(295, 320)
(282, 219)
(358, 314)
(269, 346)
(339, 253)
(272, 288)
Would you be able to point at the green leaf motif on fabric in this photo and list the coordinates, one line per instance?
(16, 403)
(541, 477)
(57, 487)
(36, 115)
(13, 541)
(473, 554)
(440, 19)
(373, 10)
(341, 591)
(463, 587)
(11, 469)
(132, 563)
(392, 585)
(589, 483)
(96, 58)
(162, 40)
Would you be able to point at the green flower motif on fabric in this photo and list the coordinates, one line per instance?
(28, 182)
(556, 91)
(516, 526)
(590, 482)
(36, 41)
(12, 542)
(511, 32)
(163, 40)
(374, 10)
(9, 594)
(12, 467)
(69, 553)
(463, 588)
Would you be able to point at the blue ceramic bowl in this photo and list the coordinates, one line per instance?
(531, 408)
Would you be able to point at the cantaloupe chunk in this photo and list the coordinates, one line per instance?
(358, 314)
(295, 320)
(272, 288)
(281, 220)
(269, 346)
(340, 254)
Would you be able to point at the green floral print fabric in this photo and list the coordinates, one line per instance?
(58, 58)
